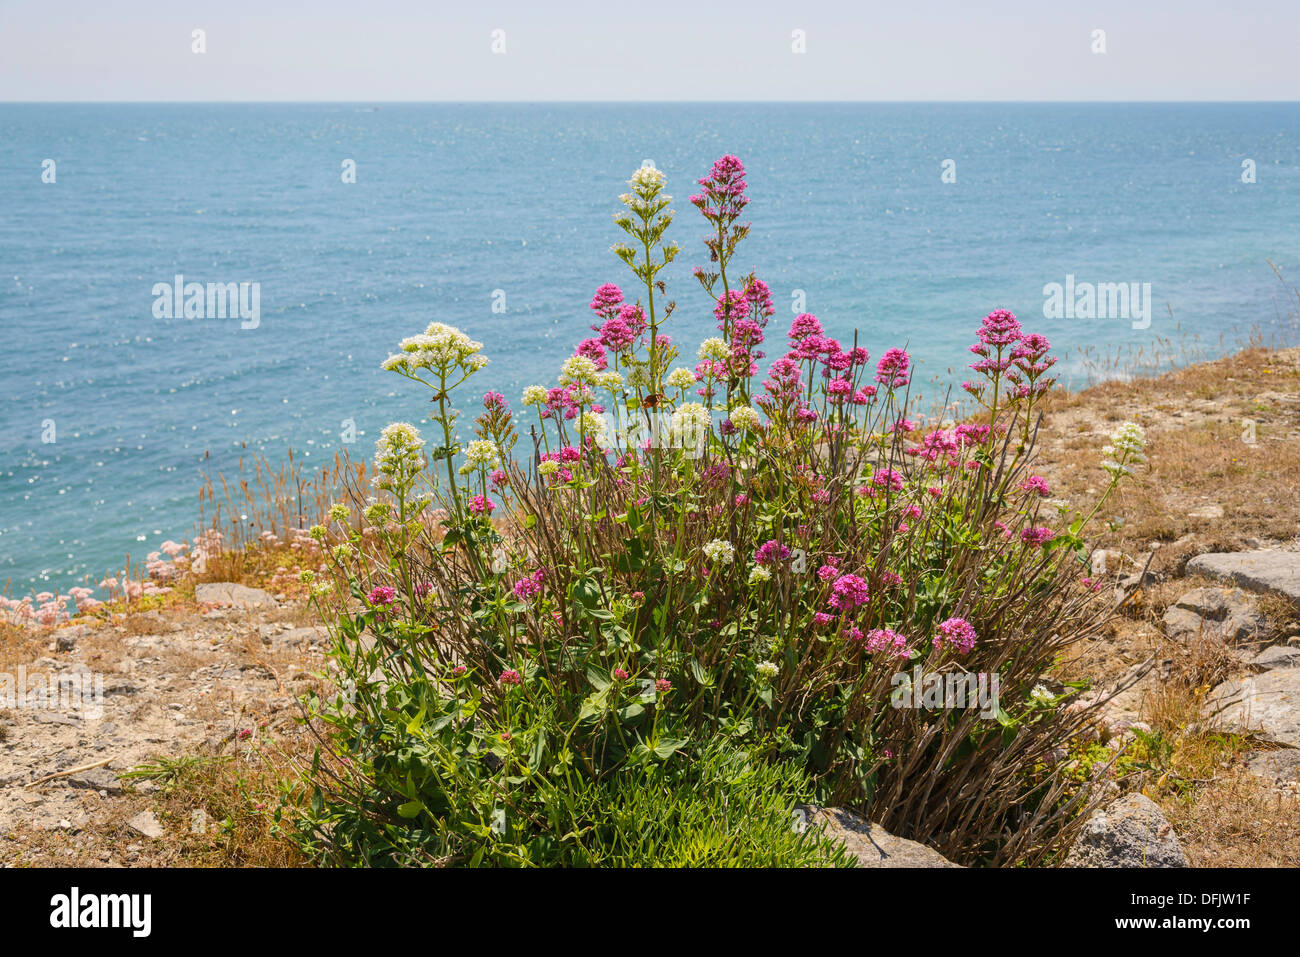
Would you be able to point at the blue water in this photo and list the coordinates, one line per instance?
(454, 202)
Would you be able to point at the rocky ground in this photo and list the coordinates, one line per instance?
(1199, 667)
(216, 678)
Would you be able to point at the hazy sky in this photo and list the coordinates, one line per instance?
(383, 50)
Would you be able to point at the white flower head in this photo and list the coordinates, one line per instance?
(595, 426)
(720, 551)
(767, 670)
(647, 178)
(681, 379)
(714, 350)
(609, 380)
(1127, 448)
(637, 378)
(578, 369)
(535, 395)
(689, 423)
(440, 348)
(758, 574)
(398, 448)
(482, 454)
(745, 417)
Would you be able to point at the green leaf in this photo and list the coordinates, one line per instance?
(411, 808)
(593, 704)
(598, 676)
(586, 591)
(538, 753)
(631, 712)
(413, 726)
(668, 747)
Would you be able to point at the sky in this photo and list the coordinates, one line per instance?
(403, 50)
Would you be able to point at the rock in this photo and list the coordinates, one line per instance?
(871, 844)
(1206, 512)
(297, 637)
(1278, 656)
(145, 823)
(1269, 703)
(1130, 832)
(233, 594)
(1228, 613)
(1259, 570)
(96, 779)
(1280, 767)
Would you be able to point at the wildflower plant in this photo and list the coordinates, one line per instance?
(525, 627)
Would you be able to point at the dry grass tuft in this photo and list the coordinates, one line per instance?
(1238, 821)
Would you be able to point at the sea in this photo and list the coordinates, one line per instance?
(358, 224)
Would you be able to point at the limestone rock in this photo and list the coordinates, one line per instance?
(1268, 702)
(145, 823)
(871, 844)
(1279, 767)
(1229, 613)
(1130, 832)
(1259, 570)
(233, 594)
(1278, 656)
(96, 779)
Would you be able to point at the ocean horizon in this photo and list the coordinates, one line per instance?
(345, 227)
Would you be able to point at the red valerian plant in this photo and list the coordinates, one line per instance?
(700, 553)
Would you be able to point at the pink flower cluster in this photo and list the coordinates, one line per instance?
(382, 595)
(848, 592)
(955, 633)
(887, 641)
(771, 552)
(531, 586)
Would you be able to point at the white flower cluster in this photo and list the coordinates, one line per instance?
(480, 454)
(744, 417)
(596, 427)
(398, 448)
(578, 369)
(689, 422)
(535, 395)
(720, 552)
(759, 574)
(681, 379)
(441, 348)
(1127, 448)
(767, 670)
(646, 178)
(714, 350)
